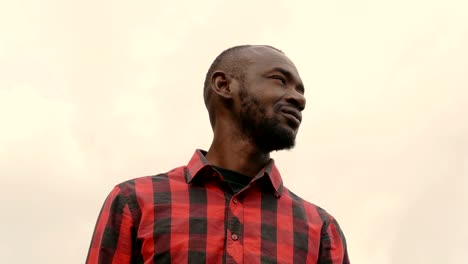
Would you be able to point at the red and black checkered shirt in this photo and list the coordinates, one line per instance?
(190, 215)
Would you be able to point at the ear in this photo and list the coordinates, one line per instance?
(222, 84)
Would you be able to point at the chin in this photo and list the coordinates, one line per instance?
(284, 147)
(280, 139)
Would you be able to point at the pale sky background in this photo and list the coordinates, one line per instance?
(93, 93)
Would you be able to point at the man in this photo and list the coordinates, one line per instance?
(228, 205)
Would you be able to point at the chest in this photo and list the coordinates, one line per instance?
(207, 225)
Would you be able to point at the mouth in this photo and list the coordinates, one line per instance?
(292, 114)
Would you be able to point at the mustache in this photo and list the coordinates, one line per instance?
(277, 108)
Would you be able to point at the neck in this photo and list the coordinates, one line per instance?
(235, 153)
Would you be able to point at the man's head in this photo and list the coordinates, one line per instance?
(258, 89)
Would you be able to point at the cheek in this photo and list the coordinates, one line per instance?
(276, 108)
(272, 114)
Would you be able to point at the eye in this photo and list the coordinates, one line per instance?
(281, 78)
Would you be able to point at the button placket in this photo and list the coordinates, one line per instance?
(234, 244)
(235, 219)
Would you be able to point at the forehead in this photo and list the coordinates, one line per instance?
(264, 59)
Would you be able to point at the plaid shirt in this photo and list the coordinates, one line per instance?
(190, 215)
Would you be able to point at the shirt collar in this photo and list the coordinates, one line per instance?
(199, 163)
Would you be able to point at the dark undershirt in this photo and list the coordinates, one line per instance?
(236, 180)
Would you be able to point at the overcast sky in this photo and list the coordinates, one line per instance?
(93, 93)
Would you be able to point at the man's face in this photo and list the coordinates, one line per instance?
(271, 100)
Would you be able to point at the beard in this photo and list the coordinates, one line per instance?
(267, 133)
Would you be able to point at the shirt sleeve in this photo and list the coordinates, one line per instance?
(112, 240)
(333, 248)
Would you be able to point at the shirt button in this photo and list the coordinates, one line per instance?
(234, 201)
(234, 237)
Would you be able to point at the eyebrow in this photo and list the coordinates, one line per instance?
(289, 76)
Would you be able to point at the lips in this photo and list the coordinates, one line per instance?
(292, 114)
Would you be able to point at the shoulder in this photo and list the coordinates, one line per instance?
(313, 211)
(131, 185)
(144, 187)
(140, 191)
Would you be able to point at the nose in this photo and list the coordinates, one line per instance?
(297, 99)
